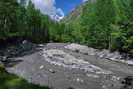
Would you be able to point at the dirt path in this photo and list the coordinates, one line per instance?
(62, 68)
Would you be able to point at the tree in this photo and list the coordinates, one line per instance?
(97, 18)
(8, 18)
(23, 3)
(37, 30)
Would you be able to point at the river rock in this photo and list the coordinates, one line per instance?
(114, 56)
(61, 58)
(77, 48)
(51, 70)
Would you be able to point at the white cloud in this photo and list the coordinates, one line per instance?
(85, 0)
(48, 7)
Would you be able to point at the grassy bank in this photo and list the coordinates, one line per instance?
(10, 81)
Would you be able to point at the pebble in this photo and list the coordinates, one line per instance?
(79, 80)
(42, 66)
(51, 70)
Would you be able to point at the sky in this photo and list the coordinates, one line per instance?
(67, 5)
(56, 9)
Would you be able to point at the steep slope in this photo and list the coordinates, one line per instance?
(75, 14)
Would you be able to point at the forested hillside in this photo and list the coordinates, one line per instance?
(19, 20)
(96, 23)
(75, 14)
(104, 24)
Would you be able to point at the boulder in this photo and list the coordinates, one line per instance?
(81, 49)
(61, 58)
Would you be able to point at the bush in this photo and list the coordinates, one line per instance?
(10, 81)
(2, 68)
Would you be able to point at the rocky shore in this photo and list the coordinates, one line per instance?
(68, 66)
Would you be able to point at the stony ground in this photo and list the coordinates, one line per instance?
(71, 66)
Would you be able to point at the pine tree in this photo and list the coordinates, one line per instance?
(8, 18)
(130, 10)
(37, 30)
(100, 15)
(23, 3)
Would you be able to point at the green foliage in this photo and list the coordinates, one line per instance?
(103, 24)
(36, 27)
(7, 21)
(10, 81)
(2, 68)
(97, 23)
(17, 20)
(77, 33)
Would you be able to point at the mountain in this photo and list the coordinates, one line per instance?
(75, 15)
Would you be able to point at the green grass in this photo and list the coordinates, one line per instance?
(10, 81)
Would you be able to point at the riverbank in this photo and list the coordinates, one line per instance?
(59, 67)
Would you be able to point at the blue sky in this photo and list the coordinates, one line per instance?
(67, 5)
(56, 9)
